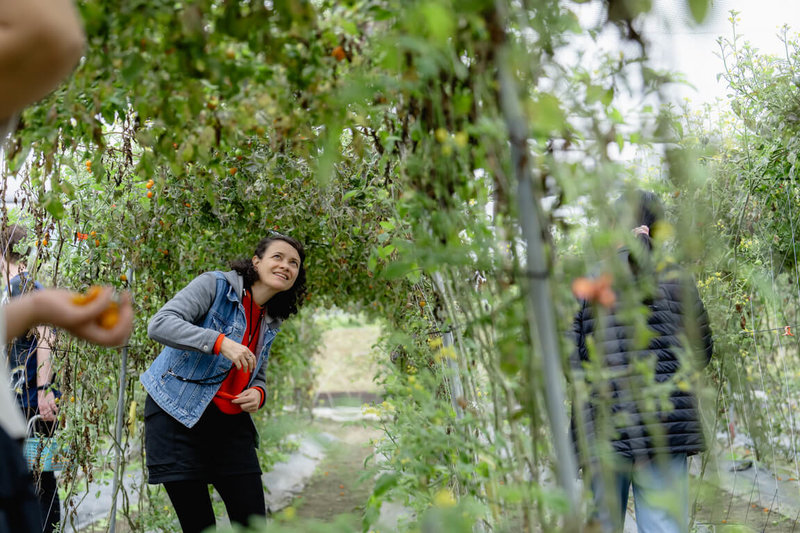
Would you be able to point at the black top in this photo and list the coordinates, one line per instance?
(647, 407)
(22, 358)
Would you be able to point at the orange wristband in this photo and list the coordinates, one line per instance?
(261, 403)
(218, 343)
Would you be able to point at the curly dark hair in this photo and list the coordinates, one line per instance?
(284, 304)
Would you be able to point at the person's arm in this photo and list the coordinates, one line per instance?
(55, 307)
(580, 353)
(41, 41)
(705, 343)
(44, 373)
(175, 324)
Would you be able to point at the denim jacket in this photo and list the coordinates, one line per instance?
(187, 374)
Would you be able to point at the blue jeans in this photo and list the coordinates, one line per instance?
(660, 495)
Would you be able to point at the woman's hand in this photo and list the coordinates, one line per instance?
(47, 405)
(56, 307)
(239, 354)
(248, 400)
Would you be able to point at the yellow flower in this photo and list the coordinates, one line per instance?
(441, 135)
(369, 410)
(445, 353)
(444, 498)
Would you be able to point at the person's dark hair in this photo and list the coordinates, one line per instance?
(649, 209)
(11, 237)
(284, 304)
(644, 207)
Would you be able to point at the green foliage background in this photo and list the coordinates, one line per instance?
(373, 131)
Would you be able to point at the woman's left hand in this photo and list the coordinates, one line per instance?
(248, 400)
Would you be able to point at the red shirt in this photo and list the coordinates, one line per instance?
(237, 380)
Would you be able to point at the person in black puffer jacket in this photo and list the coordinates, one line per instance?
(634, 364)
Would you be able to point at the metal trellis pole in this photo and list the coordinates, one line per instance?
(541, 314)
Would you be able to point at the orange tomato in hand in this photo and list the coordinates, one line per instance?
(83, 299)
(109, 317)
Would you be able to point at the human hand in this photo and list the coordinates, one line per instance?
(56, 307)
(49, 35)
(47, 405)
(248, 400)
(239, 354)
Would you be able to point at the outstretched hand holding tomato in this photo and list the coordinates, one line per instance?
(93, 316)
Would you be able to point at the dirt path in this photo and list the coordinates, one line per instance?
(339, 488)
(718, 510)
(340, 485)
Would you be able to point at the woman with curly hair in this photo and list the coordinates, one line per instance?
(210, 377)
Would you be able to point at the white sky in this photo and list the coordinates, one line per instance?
(681, 45)
(686, 47)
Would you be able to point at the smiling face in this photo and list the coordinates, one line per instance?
(279, 266)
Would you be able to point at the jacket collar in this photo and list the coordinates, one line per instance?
(237, 282)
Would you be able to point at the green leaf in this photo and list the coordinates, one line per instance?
(386, 251)
(595, 93)
(616, 116)
(53, 205)
(482, 468)
(133, 68)
(350, 194)
(440, 21)
(384, 483)
(396, 270)
(415, 275)
(699, 9)
(349, 27)
(546, 114)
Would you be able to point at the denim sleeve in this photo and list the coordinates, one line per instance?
(175, 324)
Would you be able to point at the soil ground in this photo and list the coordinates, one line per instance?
(341, 484)
(724, 512)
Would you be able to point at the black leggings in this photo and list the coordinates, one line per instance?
(243, 497)
(47, 491)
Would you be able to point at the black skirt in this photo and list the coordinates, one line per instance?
(219, 445)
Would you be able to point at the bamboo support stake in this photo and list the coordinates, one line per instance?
(123, 369)
(112, 521)
(539, 296)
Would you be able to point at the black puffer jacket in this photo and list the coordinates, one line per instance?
(646, 415)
